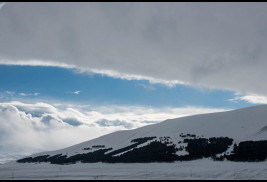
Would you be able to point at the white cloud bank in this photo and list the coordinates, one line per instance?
(252, 98)
(28, 128)
(218, 45)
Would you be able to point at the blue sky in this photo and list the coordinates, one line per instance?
(60, 84)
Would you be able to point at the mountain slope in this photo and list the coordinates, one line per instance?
(237, 125)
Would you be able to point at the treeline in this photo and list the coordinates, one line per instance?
(95, 146)
(187, 135)
(96, 156)
(203, 148)
(248, 151)
(98, 146)
(153, 152)
(161, 151)
(156, 151)
(91, 157)
(137, 141)
(143, 140)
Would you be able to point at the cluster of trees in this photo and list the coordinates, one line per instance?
(143, 140)
(160, 151)
(202, 147)
(89, 148)
(90, 157)
(248, 151)
(95, 146)
(166, 140)
(124, 149)
(42, 158)
(137, 141)
(155, 151)
(181, 148)
(96, 156)
(98, 146)
(187, 135)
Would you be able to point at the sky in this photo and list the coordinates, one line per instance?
(70, 72)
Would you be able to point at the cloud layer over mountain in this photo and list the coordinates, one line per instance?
(218, 45)
(28, 128)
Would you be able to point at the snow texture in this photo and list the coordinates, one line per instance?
(199, 169)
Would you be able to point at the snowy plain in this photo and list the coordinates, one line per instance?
(199, 169)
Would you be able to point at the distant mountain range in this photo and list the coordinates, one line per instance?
(238, 135)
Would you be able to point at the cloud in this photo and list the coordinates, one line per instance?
(24, 132)
(127, 76)
(89, 70)
(76, 92)
(29, 128)
(216, 45)
(33, 94)
(23, 94)
(35, 62)
(253, 99)
(148, 87)
(107, 123)
(9, 92)
(6, 95)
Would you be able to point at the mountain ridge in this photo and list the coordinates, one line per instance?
(241, 125)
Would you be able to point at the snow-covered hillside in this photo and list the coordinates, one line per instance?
(240, 125)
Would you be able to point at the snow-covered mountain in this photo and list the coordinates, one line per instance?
(217, 134)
